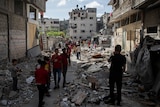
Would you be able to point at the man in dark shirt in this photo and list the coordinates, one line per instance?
(118, 63)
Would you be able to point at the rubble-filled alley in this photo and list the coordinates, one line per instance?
(87, 84)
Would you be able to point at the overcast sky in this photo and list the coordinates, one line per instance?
(59, 8)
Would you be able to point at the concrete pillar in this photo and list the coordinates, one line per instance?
(158, 31)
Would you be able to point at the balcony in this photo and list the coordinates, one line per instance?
(124, 10)
(141, 4)
(137, 3)
(40, 4)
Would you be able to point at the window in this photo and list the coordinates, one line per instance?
(91, 24)
(82, 24)
(18, 7)
(90, 17)
(82, 18)
(74, 18)
(32, 13)
(82, 31)
(56, 22)
(152, 29)
(75, 31)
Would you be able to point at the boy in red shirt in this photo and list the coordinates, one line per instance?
(57, 67)
(48, 69)
(41, 77)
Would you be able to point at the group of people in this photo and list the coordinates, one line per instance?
(60, 64)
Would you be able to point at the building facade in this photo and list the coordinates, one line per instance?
(14, 27)
(107, 28)
(133, 19)
(82, 23)
(127, 24)
(64, 25)
(151, 18)
(49, 24)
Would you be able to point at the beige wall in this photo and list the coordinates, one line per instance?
(128, 36)
(31, 35)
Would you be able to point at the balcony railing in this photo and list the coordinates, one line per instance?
(136, 3)
(123, 8)
(40, 4)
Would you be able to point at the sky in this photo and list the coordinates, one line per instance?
(59, 9)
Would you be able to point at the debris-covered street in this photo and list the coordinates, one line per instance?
(87, 84)
(79, 53)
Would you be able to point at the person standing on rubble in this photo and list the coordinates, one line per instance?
(57, 67)
(78, 52)
(14, 69)
(68, 48)
(118, 65)
(41, 78)
(65, 60)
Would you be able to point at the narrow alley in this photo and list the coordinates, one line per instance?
(77, 82)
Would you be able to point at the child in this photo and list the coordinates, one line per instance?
(48, 69)
(41, 77)
(14, 69)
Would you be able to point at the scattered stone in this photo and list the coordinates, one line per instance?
(12, 94)
(4, 102)
(30, 79)
(79, 98)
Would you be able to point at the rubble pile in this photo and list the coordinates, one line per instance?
(26, 91)
(91, 87)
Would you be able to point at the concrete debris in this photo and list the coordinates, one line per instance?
(12, 94)
(64, 104)
(87, 65)
(30, 79)
(79, 98)
(34, 52)
(26, 91)
(91, 85)
(97, 56)
(95, 68)
(93, 82)
(4, 102)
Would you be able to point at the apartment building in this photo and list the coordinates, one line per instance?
(127, 23)
(64, 25)
(151, 16)
(82, 23)
(107, 28)
(133, 19)
(48, 24)
(17, 26)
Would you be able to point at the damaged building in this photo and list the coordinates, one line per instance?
(136, 25)
(19, 20)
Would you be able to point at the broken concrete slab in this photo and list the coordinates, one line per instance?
(79, 98)
(95, 68)
(4, 102)
(33, 52)
(12, 94)
(30, 79)
(87, 65)
(97, 56)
